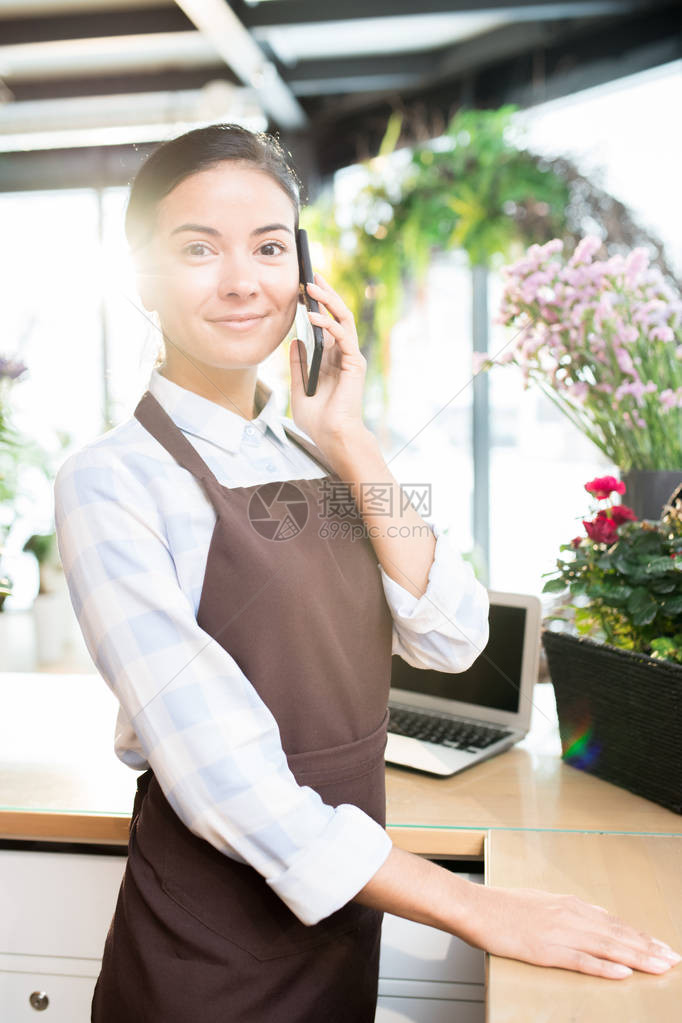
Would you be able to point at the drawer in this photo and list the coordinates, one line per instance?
(412, 951)
(428, 1010)
(67, 999)
(57, 904)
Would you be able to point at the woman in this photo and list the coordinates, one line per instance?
(249, 643)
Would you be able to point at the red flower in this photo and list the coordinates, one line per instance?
(620, 513)
(576, 541)
(602, 530)
(603, 486)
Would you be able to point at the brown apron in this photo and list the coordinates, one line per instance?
(299, 604)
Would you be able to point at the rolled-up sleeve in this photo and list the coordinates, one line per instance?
(212, 743)
(447, 627)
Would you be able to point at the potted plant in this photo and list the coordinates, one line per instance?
(5, 582)
(11, 370)
(603, 340)
(618, 679)
(48, 605)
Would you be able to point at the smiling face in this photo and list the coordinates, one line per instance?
(222, 270)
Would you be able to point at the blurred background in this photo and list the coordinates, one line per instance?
(399, 117)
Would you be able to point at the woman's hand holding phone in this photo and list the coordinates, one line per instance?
(332, 417)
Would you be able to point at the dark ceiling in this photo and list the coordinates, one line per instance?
(331, 73)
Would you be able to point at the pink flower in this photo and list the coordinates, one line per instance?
(635, 388)
(636, 262)
(579, 391)
(585, 249)
(627, 334)
(615, 265)
(479, 361)
(603, 486)
(624, 360)
(602, 529)
(620, 513)
(663, 333)
(671, 399)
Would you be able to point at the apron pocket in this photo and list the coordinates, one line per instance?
(234, 902)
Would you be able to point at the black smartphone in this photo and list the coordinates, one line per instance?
(312, 339)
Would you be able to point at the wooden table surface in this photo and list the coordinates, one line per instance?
(533, 820)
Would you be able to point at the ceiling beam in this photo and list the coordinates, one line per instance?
(293, 12)
(93, 25)
(120, 84)
(220, 25)
(423, 69)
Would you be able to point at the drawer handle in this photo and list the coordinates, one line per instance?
(39, 1000)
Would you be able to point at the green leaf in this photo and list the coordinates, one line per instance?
(621, 561)
(658, 566)
(642, 606)
(673, 606)
(554, 586)
(663, 585)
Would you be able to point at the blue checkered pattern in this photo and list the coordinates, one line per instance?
(133, 530)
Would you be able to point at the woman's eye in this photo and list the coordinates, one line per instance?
(191, 250)
(272, 248)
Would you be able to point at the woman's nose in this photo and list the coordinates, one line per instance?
(238, 277)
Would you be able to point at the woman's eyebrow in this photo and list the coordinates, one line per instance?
(272, 227)
(203, 229)
(196, 227)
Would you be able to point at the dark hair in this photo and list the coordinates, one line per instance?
(197, 150)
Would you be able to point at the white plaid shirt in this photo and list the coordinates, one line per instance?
(133, 530)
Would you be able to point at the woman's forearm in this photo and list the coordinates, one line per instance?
(403, 542)
(413, 887)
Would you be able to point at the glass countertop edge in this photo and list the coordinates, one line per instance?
(125, 814)
(521, 827)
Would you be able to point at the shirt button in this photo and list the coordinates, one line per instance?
(250, 431)
(270, 467)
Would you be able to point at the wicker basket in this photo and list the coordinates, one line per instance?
(619, 715)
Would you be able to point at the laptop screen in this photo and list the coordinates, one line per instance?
(493, 680)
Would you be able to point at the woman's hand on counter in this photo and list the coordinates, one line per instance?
(547, 929)
(527, 924)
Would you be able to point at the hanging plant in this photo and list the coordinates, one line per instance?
(474, 189)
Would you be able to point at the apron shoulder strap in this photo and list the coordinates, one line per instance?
(156, 420)
(310, 448)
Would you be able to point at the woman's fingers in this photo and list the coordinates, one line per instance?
(346, 340)
(610, 938)
(562, 930)
(637, 955)
(618, 930)
(321, 290)
(583, 962)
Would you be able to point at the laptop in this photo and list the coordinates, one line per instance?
(443, 722)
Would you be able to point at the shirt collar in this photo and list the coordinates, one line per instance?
(197, 415)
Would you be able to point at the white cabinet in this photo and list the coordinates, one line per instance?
(55, 911)
(58, 997)
(428, 976)
(428, 1010)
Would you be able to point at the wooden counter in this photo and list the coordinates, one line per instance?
(535, 822)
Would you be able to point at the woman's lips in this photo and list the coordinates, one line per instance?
(240, 323)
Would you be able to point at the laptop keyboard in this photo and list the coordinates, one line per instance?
(465, 735)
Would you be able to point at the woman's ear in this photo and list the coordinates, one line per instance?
(146, 279)
(147, 291)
